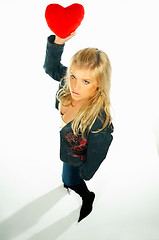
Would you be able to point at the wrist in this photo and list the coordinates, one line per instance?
(59, 41)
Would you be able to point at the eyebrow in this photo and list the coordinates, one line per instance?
(87, 79)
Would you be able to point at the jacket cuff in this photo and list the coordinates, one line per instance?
(50, 42)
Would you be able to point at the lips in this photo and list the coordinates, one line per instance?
(77, 94)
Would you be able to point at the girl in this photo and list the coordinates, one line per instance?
(83, 100)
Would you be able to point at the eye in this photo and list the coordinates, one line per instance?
(72, 76)
(85, 82)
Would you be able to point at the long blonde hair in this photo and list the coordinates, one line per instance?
(98, 62)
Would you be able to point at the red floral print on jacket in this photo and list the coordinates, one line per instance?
(77, 144)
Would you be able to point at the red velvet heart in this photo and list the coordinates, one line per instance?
(63, 21)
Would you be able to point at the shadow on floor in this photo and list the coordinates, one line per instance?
(55, 230)
(29, 215)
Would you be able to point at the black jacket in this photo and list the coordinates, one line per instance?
(90, 151)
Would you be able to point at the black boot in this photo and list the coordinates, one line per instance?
(87, 198)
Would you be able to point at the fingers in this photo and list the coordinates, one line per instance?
(71, 36)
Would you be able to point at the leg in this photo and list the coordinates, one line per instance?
(72, 180)
(87, 199)
(70, 175)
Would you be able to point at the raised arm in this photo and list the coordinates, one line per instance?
(54, 50)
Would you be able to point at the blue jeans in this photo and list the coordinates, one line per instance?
(71, 175)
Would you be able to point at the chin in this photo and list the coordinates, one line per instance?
(75, 97)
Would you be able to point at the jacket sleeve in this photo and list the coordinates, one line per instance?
(98, 145)
(52, 64)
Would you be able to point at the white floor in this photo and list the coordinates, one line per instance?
(33, 203)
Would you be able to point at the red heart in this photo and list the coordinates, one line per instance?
(63, 21)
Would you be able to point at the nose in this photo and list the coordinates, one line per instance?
(76, 85)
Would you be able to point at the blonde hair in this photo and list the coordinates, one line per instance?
(98, 62)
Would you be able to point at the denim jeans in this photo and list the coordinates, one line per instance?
(71, 175)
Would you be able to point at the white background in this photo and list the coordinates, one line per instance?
(33, 203)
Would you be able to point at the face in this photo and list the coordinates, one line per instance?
(82, 85)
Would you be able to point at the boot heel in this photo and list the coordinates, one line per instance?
(68, 190)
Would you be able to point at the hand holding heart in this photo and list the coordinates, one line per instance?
(59, 40)
(64, 21)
